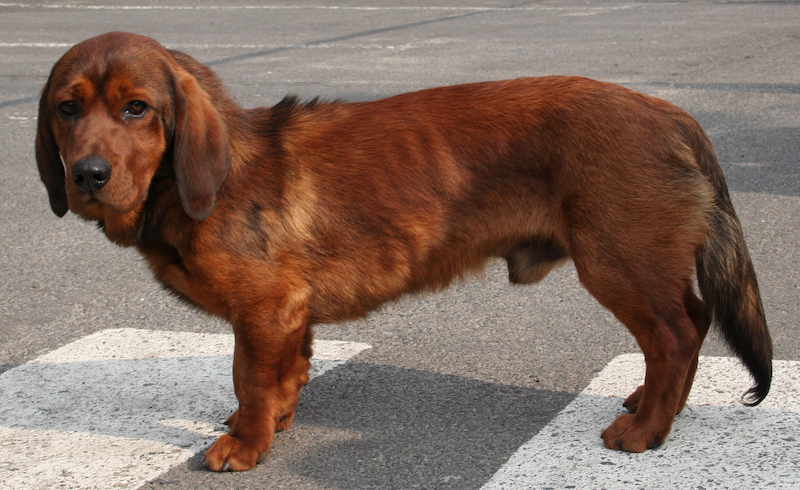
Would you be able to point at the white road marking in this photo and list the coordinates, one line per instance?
(122, 406)
(315, 45)
(317, 7)
(715, 442)
(36, 45)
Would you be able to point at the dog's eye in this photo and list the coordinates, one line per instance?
(68, 109)
(135, 108)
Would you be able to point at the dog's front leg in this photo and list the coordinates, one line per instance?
(270, 367)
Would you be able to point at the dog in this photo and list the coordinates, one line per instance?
(279, 218)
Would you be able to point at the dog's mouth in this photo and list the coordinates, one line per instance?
(85, 197)
(89, 197)
(94, 204)
(85, 204)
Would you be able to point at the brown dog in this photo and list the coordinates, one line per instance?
(278, 218)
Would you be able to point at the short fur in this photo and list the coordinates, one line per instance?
(278, 218)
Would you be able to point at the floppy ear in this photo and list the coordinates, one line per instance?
(201, 155)
(51, 169)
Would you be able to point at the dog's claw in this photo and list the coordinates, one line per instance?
(226, 466)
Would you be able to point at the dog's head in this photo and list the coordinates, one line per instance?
(114, 108)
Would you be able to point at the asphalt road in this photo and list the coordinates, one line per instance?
(454, 382)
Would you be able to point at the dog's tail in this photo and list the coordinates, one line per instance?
(727, 279)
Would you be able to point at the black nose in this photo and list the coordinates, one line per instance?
(91, 174)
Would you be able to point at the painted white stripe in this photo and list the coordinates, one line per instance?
(36, 45)
(313, 7)
(336, 45)
(715, 442)
(121, 406)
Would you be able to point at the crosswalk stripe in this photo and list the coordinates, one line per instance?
(122, 406)
(715, 442)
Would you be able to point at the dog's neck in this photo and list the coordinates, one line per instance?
(162, 208)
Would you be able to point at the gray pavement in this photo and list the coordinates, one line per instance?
(454, 382)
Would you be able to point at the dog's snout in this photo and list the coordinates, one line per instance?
(91, 174)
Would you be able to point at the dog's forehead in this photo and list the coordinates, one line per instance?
(118, 60)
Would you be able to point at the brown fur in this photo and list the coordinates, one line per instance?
(279, 218)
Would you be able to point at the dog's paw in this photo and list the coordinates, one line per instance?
(232, 454)
(284, 422)
(231, 420)
(632, 402)
(627, 435)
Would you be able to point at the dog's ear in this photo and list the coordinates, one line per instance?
(51, 168)
(201, 154)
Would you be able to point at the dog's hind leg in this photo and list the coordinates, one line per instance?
(647, 296)
(696, 310)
